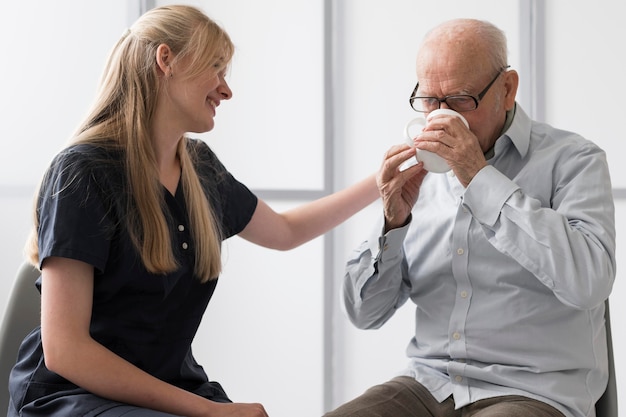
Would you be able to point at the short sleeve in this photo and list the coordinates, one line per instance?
(73, 220)
(233, 202)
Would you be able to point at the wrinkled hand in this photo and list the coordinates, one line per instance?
(399, 189)
(448, 137)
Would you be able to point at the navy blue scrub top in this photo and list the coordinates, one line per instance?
(149, 320)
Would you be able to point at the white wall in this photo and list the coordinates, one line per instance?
(584, 75)
(275, 331)
(55, 52)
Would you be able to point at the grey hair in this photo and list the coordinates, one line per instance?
(491, 38)
(496, 38)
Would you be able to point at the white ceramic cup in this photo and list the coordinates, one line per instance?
(432, 161)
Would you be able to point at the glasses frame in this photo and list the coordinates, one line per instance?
(476, 98)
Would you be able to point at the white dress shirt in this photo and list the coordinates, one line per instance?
(508, 275)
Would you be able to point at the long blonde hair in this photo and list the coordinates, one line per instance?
(121, 118)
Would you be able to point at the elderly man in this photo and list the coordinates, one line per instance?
(508, 258)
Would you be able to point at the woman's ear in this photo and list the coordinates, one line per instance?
(164, 58)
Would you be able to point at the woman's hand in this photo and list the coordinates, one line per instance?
(236, 410)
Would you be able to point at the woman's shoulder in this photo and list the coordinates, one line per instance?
(87, 159)
(199, 148)
(86, 164)
(204, 159)
(89, 153)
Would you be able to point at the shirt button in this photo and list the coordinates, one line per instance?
(181, 228)
(185, 245)
(463, 294)
(458, 378)
(460, 251)
(456, 335)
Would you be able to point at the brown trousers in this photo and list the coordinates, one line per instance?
(405, 397)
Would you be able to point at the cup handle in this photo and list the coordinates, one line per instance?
(407, 133)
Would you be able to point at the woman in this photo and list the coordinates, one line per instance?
(128, 228)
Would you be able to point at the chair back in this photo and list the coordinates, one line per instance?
(21, 315)
(607, 404)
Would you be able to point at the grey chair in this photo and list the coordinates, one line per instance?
(607, 404)
(21, 315)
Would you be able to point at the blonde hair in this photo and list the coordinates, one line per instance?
(121, 118)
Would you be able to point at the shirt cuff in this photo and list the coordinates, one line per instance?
(385, 247)
(485, 196)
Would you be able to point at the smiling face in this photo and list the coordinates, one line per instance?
(189, 101)
(455, 59)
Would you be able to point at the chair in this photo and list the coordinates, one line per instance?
(21, 315)
(607, 404)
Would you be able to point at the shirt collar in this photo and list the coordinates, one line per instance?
(517, 130)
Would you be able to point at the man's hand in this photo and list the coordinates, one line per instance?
(449, 138)
(399, 189)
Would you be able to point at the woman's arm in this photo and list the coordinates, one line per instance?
(294, 227)
(69, 350)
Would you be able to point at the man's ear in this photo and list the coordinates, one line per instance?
(164, 58)
(511, 82)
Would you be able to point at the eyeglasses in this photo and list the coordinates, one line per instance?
(458, 102)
